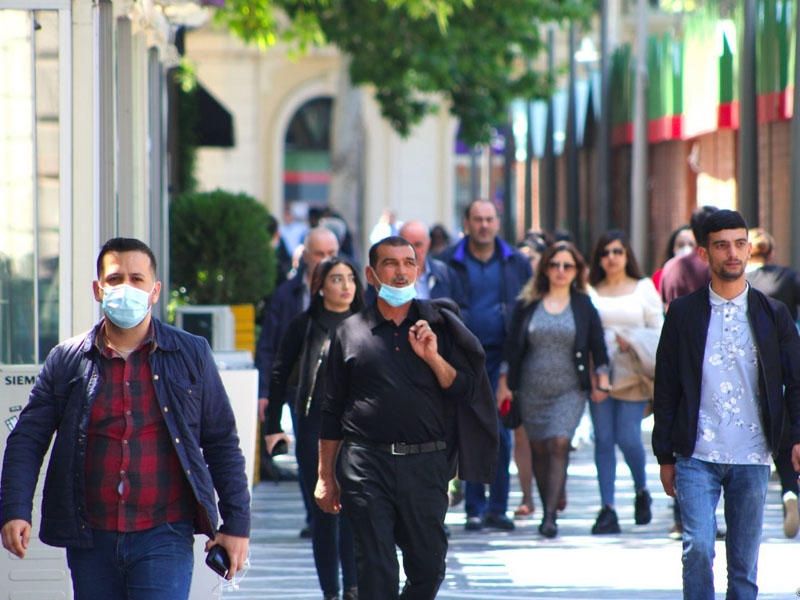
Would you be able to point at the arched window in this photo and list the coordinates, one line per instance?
(307, 163)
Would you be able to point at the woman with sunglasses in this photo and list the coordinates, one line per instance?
(336, 293)
(556, 337)
(632, 315)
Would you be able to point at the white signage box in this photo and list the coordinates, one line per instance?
(43, 574)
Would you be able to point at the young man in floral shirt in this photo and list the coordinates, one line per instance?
(727, 370)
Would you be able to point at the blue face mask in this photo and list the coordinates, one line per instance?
(125, 305)
(396, 296)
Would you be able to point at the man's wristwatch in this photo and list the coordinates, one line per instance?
(605, 390)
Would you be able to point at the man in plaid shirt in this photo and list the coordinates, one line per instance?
(145, 434)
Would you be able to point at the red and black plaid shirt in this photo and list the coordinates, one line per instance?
(134, 479)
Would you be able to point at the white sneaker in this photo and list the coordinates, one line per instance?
(791, 516)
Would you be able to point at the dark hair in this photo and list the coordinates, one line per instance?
(439, 230)
(121, 244)
(468, 209)
(698, 218)
(562, 235)
(539, 240)
(318, 280)
(721, 219)
(393, 240)
(541, 283)
(671, 242)
(272, 225)
(597, 273)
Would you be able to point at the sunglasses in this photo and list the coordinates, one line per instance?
(561, 266)
(614, 251)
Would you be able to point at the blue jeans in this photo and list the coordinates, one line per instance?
(475, 503)
(698, 485)
(618, 423)
(154, 564)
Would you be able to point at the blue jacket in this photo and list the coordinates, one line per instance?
(286, 304)
(196, 411)
(516, 272)
(679, 372)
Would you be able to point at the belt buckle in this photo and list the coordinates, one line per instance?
(399, 448)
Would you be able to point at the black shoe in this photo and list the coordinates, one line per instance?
(473, 524)
(548, 528)
(642, 514)
(606, 522)
(501, 522)
(305, 532)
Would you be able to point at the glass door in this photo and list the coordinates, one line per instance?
(31, 156)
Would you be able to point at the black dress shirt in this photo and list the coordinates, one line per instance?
(378, 389)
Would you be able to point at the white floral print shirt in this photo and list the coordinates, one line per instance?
(729, 428)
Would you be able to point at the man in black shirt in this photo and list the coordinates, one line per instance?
(400, 374)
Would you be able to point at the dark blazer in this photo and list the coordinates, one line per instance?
(589, 339)
(679, 371)
(286, 304)
(516, 272)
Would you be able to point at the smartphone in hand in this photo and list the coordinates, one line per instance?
(217, 558)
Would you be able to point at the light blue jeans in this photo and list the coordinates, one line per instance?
(618, 423)
(698, 485)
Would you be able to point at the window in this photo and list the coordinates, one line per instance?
(30, 186)
(307, 161)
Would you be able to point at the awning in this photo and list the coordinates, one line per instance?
(214, 123)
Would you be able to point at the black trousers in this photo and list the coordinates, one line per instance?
(396, 501)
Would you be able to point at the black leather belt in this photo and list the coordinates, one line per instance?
(399, 448)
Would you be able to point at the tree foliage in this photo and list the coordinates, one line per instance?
(220, 251)
(472, 53)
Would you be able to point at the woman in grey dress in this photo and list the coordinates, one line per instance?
(556, 342)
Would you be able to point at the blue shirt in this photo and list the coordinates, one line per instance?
(485, 317)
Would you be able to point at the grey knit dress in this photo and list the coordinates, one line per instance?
(550, 395)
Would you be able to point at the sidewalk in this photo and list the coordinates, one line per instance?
(641, 563)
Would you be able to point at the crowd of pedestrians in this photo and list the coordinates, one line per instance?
(414, 392)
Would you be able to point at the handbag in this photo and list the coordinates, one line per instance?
(510, 413)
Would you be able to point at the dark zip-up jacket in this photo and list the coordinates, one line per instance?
(197, 413)
(679, 371)
(589, 339)
(286, 304)
(516, 270)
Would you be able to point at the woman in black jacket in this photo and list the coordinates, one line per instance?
(556, 340)
(336, 293)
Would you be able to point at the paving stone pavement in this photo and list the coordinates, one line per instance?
(640, 563)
